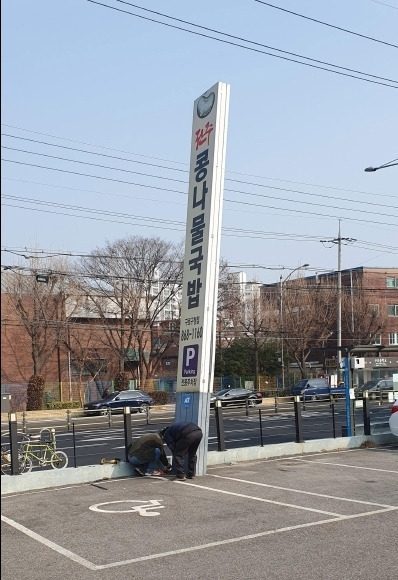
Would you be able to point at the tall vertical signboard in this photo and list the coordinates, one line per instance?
(201, 263)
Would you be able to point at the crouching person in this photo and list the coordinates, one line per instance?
(183, 440)
(148, 456)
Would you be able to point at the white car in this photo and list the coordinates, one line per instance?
(394, 418)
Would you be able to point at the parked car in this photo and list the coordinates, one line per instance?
(393, 421)
(138, 401)
(306, 383)
(375, 388)
(317, 389)
(237, 398)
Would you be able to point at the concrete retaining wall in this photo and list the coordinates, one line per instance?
(96, 473)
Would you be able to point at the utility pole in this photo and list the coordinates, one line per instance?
(339, 302)
(339, 240)
(281, 282)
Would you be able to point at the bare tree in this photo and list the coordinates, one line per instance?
(362, 320)
(131, 285)
(255, 323)
(229, 305)
(307, 314)
(36, 295)
(88, 360)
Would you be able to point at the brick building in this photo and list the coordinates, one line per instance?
(378, 285)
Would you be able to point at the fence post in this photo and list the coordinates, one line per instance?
(261, 428)
(24, 427)
(219, 425)
(12, 423)
(297, 419)
(276, 404)
(353, 416)
(68, 413)
(333, 416)
(74, 445)
(366, 413)
(127, 430)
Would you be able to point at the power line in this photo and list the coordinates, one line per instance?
(259, 205)
(384, 4)
(94, 164)
(166, 167)
(230, 190)
(256, 49)
(325, 23)
(129, 197)
(186, 165)
(271, 235)
(298, 285)
(109, 213)
(291, 210)
(92, 153)
(236, 37)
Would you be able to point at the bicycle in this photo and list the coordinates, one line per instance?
(6, 461)
(42, 450)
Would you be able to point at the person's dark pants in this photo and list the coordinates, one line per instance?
(187, 446)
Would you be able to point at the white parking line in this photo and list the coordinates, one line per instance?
(308, 509)
(291, 490)
(344, 465)
(91, 566)
(67, 553)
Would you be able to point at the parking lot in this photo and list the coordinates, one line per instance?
(320, 516)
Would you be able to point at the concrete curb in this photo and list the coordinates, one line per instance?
(100, 473)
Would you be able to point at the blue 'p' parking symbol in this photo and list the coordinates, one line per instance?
(190, 360)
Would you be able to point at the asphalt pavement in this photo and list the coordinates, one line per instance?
(315, 516)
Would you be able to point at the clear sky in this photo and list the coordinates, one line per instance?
(92, 79)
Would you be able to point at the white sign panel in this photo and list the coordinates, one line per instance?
(202, 241)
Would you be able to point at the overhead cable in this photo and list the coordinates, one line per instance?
(325, 23)
(185, 171)
(369, 80)
(186, 165)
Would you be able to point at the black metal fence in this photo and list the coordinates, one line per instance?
(280, 420)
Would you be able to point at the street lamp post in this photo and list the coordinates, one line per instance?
(389, 164)
(282, 281)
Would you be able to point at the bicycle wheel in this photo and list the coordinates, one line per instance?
(5, 461)
(59, 460)
(26, 464)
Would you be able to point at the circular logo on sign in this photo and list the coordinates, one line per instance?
(205, 105)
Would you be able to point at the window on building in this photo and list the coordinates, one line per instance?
(393, 338)
(392, 310)
(392, 282)
(374, 309)
(376, 339)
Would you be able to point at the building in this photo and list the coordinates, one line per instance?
(363, 291)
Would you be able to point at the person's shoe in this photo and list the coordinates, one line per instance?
(181, 477)
(139, 471)
(189, 476)
(154, 472)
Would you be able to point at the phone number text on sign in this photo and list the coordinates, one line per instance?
(191, 333)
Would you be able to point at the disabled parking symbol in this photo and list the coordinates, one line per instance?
(144, 508)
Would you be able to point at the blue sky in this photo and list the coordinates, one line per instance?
(82, 76)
